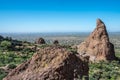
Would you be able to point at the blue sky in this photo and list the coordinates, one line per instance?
(58, 15)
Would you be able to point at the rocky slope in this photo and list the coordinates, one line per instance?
(51, 63)
(97, 45)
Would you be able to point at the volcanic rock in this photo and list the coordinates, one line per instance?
(55, 42)
(40, 41)
(97, 45)
(51, 63)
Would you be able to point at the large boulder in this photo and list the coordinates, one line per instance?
(51, 63)
(40, 41)
(97, 45)
(56, 42)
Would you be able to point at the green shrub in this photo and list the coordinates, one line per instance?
(11, 66)
(43, 45)
(104, 70)
(2, 74)
(5, 44)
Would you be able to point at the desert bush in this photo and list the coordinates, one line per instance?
(11, 66)
(43, 45)
(104, 70)
(5, 44)
(2, 73)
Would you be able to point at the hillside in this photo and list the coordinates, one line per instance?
(41, 60)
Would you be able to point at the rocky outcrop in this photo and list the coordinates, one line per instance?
(51, 63)
(40, 41)
(56, 42)
(97, 45)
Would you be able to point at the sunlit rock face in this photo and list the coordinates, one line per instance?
(97, 46)
(51, 63)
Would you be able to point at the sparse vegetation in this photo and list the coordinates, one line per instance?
(11, 66)
(5, 45)
(12, 56)
(104, 71)
(2, 73)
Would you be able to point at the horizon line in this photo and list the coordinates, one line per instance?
(55, 32)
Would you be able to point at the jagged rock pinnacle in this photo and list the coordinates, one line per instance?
(99, 21)
(97, 45)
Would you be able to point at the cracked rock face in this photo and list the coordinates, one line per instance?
(97, 46)
(51, 63)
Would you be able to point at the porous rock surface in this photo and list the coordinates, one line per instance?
(51, 63)
(97, 46)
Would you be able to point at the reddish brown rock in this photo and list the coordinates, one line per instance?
(97, 45)
(56, 42)
(51, 63)
(40, 41)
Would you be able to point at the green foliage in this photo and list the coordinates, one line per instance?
(12, 57)
(11, 66)
(104, 70)
(117, 53)
(5, 44)
(2, 74)
(43, 45)
(27, 50)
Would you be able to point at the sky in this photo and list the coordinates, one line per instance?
(58, 15)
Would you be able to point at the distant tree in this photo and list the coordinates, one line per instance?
(8, 38)
(1, 38)
(5, 44)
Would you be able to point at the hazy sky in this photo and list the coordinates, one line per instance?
(58, 15)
